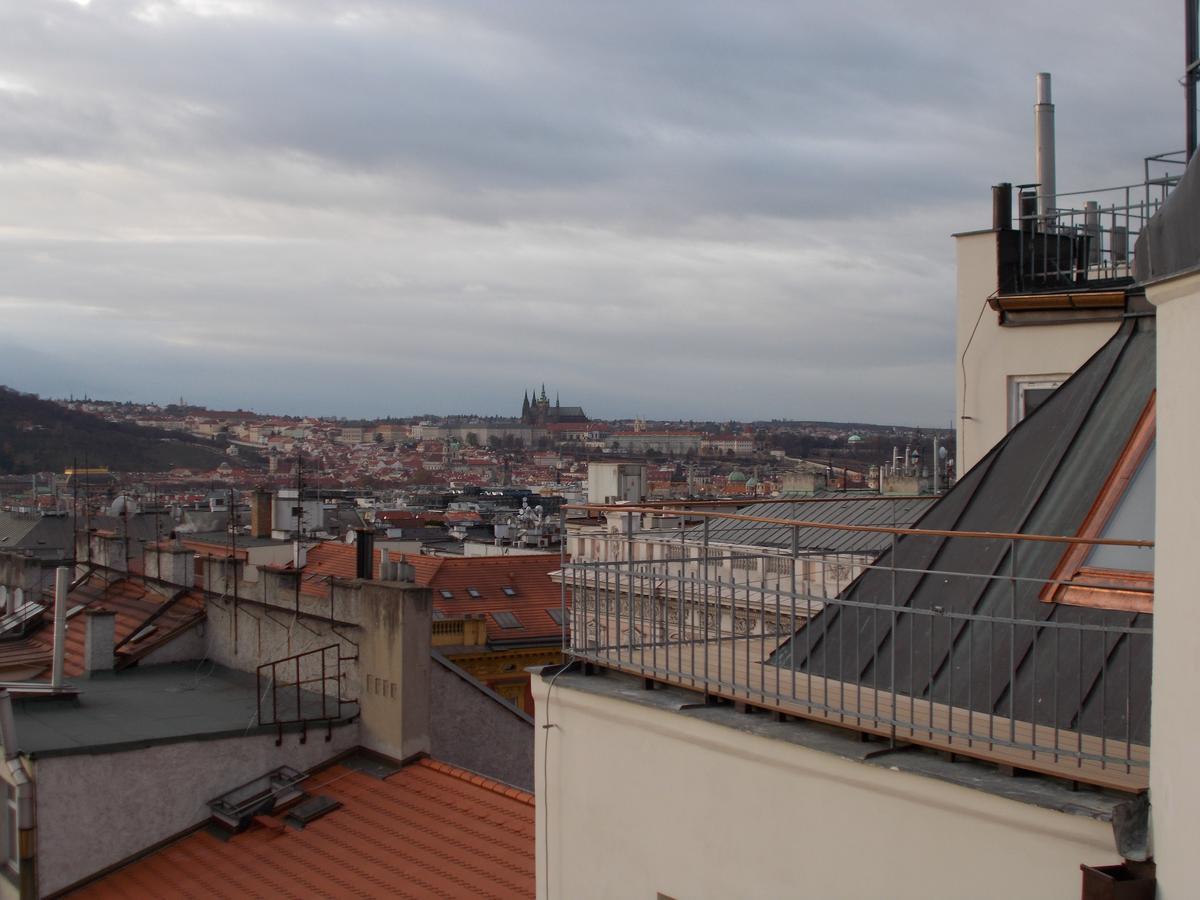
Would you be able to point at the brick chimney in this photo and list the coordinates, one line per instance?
(99, 640)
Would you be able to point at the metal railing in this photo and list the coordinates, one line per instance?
(303, 687)
(955, 640)
(1089, 236)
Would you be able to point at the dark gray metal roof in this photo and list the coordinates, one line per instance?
(31, 531)
(1042, 478)
(841, 510)
(138, 707)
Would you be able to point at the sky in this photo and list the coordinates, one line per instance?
(674, 209)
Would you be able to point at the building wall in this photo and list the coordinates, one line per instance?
(1175, 715)
(635, 801)
(130, 804)
(478, 730)
(988, 355)
(613, 482)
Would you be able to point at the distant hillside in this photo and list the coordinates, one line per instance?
(38, 436)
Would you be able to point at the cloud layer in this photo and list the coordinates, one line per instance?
(679, 209)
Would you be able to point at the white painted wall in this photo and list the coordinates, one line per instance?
(632, 801)
(984, 363)
(1174, 774)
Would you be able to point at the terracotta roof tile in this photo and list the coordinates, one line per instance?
(430, 830)
(527, 574)
(134, 603)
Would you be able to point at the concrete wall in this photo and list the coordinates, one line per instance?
(637, 800)
(394, 666)
(984, 362)
(130, 801)
(474, 728)
(1175, 716)
(613, 482)
(383, 634)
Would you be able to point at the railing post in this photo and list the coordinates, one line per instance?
(562, 577)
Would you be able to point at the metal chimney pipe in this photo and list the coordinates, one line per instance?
(1043, 138)
(62, 586)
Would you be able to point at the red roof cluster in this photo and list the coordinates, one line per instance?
(519, 586)
(429, 830)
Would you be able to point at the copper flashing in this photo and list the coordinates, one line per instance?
(1059, 301)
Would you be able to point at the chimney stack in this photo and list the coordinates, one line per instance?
(62, 585)
(261, 503)
(1043, 137)
(364, 553)
(100, 640)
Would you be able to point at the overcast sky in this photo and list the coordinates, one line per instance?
(669, 209)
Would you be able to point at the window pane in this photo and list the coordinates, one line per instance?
(1133, 520)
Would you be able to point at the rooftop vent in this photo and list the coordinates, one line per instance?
(19, 623)
(264, 795)
(310, 810)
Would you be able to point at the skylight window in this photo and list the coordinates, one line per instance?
(474, 592)
(446, 595)
(509, 591)
(1105, 576)
(507, 620)
(556, 615)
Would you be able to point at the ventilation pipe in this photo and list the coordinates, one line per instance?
(1043, 137)
(364, 556)
(62, 585)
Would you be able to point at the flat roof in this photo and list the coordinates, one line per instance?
(142, 706)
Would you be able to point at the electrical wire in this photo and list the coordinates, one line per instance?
(962, 364)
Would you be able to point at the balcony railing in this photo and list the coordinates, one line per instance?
(945, 639)
(1088, 237)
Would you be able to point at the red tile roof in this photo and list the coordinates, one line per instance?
(528, 574)
(430, 830)
(133, 603)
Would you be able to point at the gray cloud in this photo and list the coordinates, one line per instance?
(684, 209)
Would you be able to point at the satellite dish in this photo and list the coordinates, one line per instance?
(942, 452)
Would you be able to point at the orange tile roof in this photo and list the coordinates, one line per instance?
(527, 573)
(133, 604)
(429, 830)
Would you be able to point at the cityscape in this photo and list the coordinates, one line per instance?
(687, 451)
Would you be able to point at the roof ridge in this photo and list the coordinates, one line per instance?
(478, 780)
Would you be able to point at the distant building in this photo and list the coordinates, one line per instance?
(539, 411)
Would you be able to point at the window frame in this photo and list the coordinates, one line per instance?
(1017, 387)
(1076, 584)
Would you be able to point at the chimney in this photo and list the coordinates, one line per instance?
(1043, 155)
(62, 585)
(364, 553)
(170, 562)
(100, 640)
(261, 503)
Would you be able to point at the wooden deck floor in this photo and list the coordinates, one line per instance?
(734, 669)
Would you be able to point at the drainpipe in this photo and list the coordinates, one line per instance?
(62, 584)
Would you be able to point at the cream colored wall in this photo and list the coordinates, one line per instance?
(995, 354)
(1175, 716)
(643, 800)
